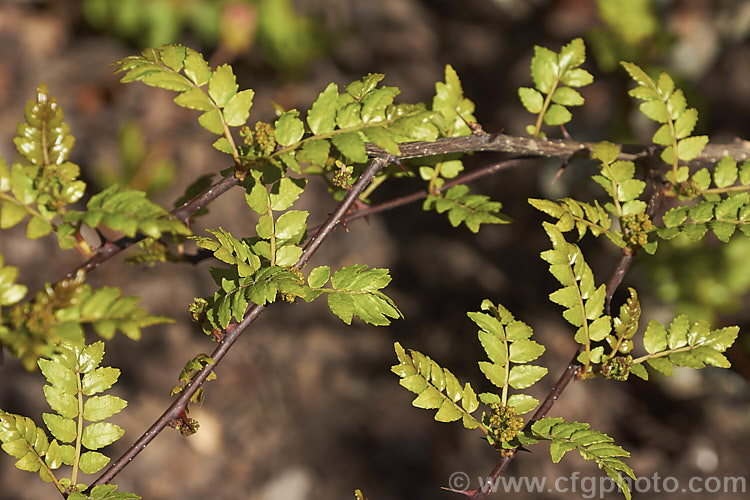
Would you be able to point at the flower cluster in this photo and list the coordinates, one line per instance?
(617, 368)
(261, 141)
(636, 227)
(504, 423)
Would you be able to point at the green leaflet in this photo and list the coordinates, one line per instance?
(289, 128)
(237, 109)
(222, 85)
(70, 367)
(58, 312)
(322, 115)
(617, 179)
(665, 104)
(232, 251)
(554, 77)
(473, 210)
(10, 291)
(590, 444)
(351, 145)
(455, 110)
(436, 388)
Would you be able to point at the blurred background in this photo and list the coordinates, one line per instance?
(305, 407)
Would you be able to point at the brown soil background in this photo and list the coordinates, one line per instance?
(305, 407)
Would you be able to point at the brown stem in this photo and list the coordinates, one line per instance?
(567, 376)
(112, 248)
(654, 181)
(396, 202)
(339, 214)
(573, 368)
(233, 332)
(520, 146)
(421, 194)
(616, 279)
(550, 148)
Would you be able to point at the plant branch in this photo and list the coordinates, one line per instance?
(177, 408)
(567, 376)
(654, 180)
(485, 171)
(183, 213)
(615, 280)
(550, 148)
(520, 146)
(339, 214)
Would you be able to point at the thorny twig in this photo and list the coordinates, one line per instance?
(567, 376)
(657, 194)
(655, 182)
(232, 334)
(525, 147)
(519, 146)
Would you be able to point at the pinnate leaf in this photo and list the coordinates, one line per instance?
(436, 388)
(357, 293)
(590, 444)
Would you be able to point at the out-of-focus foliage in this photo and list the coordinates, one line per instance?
(141, 167)
(287, 39)
(45, 183)
(631, 28)
(701, 280)
(59, 312)
(155, 22)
